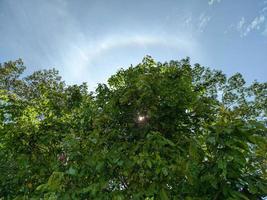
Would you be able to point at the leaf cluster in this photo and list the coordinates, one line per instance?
(154, 131)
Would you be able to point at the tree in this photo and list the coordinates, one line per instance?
(154, 131)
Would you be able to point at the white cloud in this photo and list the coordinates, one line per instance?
(255, 24)
(211, 2)
(203, 22)
(264, 9)
(188, 20)
(240, 24)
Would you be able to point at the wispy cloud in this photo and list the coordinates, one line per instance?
(203, 22)
(211, 2)
(254, 25)
(264, 9)
(241, 24)
(188, 20)
(57, 37)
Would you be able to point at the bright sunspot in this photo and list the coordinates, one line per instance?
(141, 118)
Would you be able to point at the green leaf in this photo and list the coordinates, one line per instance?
(163, 195)
(71, 171)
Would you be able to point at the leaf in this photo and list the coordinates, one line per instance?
(238, 195)
(222, 165)
(163, 195)
(149, 164)
(71, 171)
(193, 152)
(165, 171)
(54, 183)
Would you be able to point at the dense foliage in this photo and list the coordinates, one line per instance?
(155, 131)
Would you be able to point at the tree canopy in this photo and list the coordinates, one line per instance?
(154, 131)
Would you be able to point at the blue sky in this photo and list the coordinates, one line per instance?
(88, 40)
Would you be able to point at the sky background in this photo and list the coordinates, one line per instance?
(89, 40)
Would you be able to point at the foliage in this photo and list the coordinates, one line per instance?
(154, 131)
